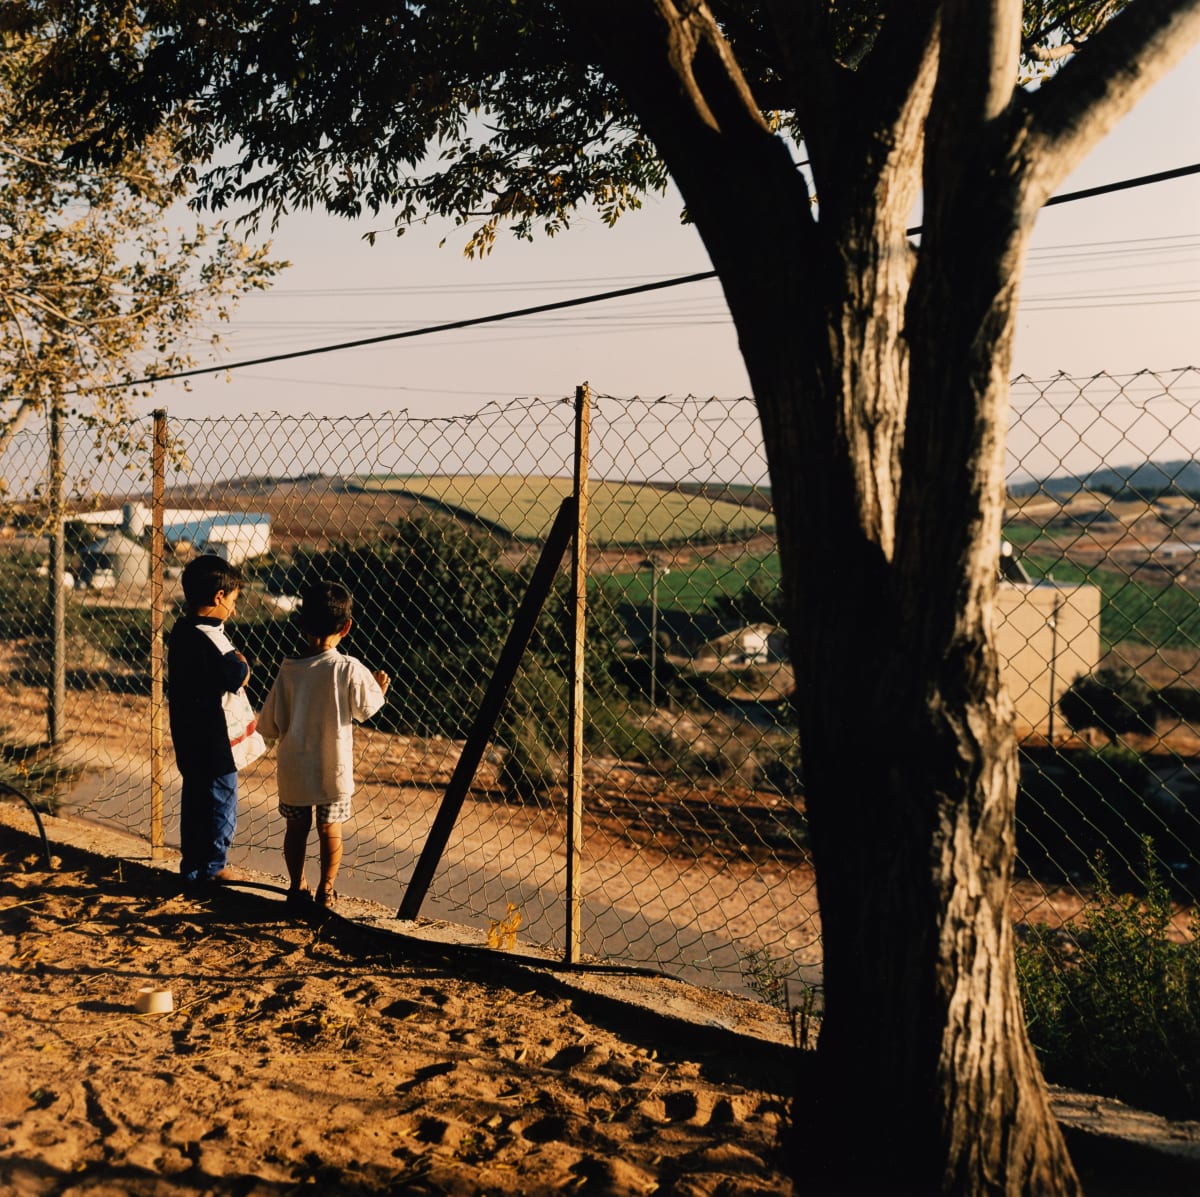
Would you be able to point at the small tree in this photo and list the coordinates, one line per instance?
(1114, 699)
(95, 291)
(96, 288)
(1111, 1003)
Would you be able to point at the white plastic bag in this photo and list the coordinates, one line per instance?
(245, 740)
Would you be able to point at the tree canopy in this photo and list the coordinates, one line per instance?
(493, 113)
(96, 287)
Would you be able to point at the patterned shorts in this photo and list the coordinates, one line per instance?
(333, 812)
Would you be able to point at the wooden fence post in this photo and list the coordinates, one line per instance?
(583, 422)
(57, 607)
(157, 490)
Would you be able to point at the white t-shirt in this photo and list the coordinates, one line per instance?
(311, 711)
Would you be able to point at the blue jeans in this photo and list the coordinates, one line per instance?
(207, 820)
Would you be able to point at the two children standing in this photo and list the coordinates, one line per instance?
(310, 711)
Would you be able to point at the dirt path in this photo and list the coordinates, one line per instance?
(696, 883)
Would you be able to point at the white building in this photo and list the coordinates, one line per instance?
(234, 535)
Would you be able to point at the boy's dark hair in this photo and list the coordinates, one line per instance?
(324, 608)
(204, 576)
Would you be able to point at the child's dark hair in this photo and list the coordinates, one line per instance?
(324, 608)
(204, 576)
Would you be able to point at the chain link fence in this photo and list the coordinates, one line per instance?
(691, 851)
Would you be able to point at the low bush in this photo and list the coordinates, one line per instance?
(1077, 802)
(533, 733)
(1181, 702)
(1113, 699)
(616, 728)
(781, 766)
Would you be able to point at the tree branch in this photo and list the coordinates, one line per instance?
(10, 427)
(1107, 77)
(36, 301)
(679, 76)
(1052, 53)
(699, 54)
(16, 319)
(884, 62)
(806, 48)
(12, 152)
(981, 48)
(1076, 25)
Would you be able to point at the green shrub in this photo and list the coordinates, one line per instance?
(1114, 1007)
(430, 606)
(782, 766)
(760, 600)
(40, 772)
(1182, 701)
(1114, 699)
(613, 727)
(1076, 802)
(123, 634)
(768, 977)
(433, 605)
(533, 733)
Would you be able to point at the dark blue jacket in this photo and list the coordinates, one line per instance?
(198, 675)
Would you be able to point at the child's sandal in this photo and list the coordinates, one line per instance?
(299, 901)
(326, 899)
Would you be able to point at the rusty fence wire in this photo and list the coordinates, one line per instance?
(693, 852)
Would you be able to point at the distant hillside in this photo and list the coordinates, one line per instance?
(731, 492)
(1148, 480)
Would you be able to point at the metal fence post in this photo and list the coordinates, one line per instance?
(583, 418)
(157, 491)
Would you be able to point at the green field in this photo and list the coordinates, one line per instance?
(690, 588)
(620, 514)
(1163, 615)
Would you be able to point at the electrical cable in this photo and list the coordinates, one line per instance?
(561, 305)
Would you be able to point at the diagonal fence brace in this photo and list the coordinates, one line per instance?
(490, 707)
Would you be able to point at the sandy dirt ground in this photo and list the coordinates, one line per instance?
(332, 1058)
(315, 1056)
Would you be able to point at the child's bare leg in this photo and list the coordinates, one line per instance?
(295, 846)
(331, 854)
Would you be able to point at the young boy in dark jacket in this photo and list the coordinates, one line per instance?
(202, 666)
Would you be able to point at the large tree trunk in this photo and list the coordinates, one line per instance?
(882, 399)
(927, 1080)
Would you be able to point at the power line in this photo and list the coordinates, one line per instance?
(601, 297)
(428, 330)
(1123, 185)
(1038, 257)
(533, 284)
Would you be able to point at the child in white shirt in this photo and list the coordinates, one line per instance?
(310, 711)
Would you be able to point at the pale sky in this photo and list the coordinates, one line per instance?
(1112, 284)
